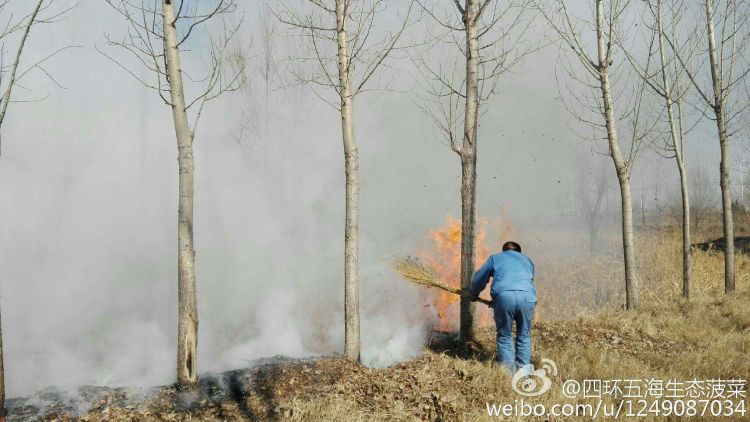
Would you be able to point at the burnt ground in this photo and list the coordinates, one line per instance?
(741, 245)
(434, 386)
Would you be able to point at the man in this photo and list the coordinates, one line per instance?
(514, 298)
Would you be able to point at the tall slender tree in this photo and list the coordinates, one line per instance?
(593, 183)
(268, 63)
(672, 92)
(668, 83)
(725, 55)
(157, 36)
(347, 52)
(742, 161)
(703, 198)
(490, 37)
(614, 111)
(17, 33)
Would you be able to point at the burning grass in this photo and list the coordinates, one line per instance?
(442, 258)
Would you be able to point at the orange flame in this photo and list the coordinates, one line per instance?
(444, 257)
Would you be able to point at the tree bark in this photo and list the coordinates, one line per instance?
(726, 194)
(632, 289)
(351, 161)
(677, 138)
(686, 258)
(187, 326)
(468, 168)
(726, 203)
(623, 171)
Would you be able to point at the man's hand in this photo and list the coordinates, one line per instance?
(476, 298)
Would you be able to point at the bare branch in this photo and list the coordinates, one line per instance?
(25, 24)
(5, 100)
(145, 42)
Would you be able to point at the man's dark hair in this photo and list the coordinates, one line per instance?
(511, 246)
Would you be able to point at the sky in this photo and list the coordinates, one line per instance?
(88, 191)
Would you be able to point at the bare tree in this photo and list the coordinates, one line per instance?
(593, 182)
(262, 78)
(489, 35)
(727, 70)
(742, 164)
(651, 187)
(345, 56)
(702, 197)
(156, 36)
(595, 73)
(268, 66)
(16, 32)
(668, 83)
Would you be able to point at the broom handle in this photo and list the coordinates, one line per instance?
(486, 302)
(458, 292)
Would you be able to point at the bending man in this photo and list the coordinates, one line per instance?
(514, 296)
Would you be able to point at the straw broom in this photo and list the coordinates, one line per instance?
(412, 270)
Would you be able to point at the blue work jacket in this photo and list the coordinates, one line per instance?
(510, 270)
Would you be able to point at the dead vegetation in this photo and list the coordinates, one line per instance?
(706, 338)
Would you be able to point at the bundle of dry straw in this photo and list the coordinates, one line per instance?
(412, 270)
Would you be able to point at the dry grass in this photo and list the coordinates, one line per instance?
(585, 284)
(704, 339)
(667, 338)
(583, 329)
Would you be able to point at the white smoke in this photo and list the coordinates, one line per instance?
(88, 195)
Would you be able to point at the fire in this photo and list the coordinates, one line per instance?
(444, 257)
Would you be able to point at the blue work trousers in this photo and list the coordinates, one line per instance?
(510, 306)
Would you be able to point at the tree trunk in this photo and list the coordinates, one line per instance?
(726, 204)
(351, 227)
(632, 290)
(677, 139)
(468, 219)
(468, 169)
(622, 168)
(593, 237)
(686, 260)
(3, 110)
(685, 192)
(187, 325)
(726, 194)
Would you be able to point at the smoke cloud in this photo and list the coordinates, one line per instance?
(88, 192)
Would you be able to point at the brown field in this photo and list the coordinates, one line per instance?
(581, 327)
